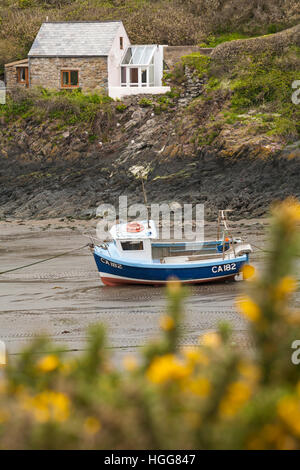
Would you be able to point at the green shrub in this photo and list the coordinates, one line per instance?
(214, 41)
(121, 107)
(174, 93)
(145, 103)
(199, 63)
(70, 106)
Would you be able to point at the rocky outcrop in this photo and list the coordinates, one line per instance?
(193, 87)
(47, 172)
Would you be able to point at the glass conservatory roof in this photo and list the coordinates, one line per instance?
(138, 55)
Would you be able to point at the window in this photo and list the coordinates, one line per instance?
(139, 55)
(123, 76)
(69, 78)
(134, 76)
(132, 246)
(121, 43)
(144, 76)
(22, 75)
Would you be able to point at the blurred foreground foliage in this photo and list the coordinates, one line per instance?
(210, 396)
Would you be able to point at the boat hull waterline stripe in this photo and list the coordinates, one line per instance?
(112, 280)
(152, 275)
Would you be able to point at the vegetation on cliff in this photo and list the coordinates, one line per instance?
(246, 84)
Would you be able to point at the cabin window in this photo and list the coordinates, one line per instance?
(69, 78)
(121, 43)
(132, 246)
(22, 75)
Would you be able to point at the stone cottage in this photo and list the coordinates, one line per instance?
(91, 55)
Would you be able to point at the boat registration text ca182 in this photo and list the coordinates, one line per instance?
(111, 263)
(224, 268)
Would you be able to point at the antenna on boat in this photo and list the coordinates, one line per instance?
(146, 201)
(223, 220)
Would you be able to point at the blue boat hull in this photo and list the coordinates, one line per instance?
(113, 272)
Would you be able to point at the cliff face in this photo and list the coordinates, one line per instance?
(47, 172)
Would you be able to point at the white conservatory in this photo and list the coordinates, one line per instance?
(141, 71)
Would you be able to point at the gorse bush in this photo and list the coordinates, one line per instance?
(209, 396)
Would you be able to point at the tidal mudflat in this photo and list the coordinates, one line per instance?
(62, 297)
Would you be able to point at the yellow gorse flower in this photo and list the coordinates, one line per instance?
(4, 416)
(195, 356)
(248, 271)
(199, 386)
(271, 436)
(249, 372)
(167, 368)
(288, 409)
(48, 363)
(249, 309)
(174, 286)
(130, 363)
(290, 211)
(92, 425)
(211, 340)
(3, 385)
(167, 323)
(238, 393)
(286, 286)
(67, 367)
(48, 405)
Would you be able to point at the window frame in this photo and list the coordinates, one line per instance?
(132, 243)
(121, 43)
(19, 80)
(62, 85)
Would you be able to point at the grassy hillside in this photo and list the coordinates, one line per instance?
(174, 22)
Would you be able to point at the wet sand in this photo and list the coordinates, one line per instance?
(62, 297)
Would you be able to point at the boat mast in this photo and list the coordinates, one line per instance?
(146, 201)
(222, 219)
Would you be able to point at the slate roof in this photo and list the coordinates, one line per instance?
(71, 39)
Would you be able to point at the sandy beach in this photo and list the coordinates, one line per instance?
(62, 297)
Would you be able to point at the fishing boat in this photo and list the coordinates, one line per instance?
(135, 255)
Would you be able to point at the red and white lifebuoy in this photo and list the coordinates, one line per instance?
(134, 227)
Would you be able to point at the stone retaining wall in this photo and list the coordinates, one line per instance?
(172, 54)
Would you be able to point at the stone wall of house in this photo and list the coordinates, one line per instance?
(172, 54)
(46, 71)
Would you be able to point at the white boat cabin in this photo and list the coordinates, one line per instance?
(133, 240)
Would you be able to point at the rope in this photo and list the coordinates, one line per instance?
(44, 260)
(269, 251)
(262, 249)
